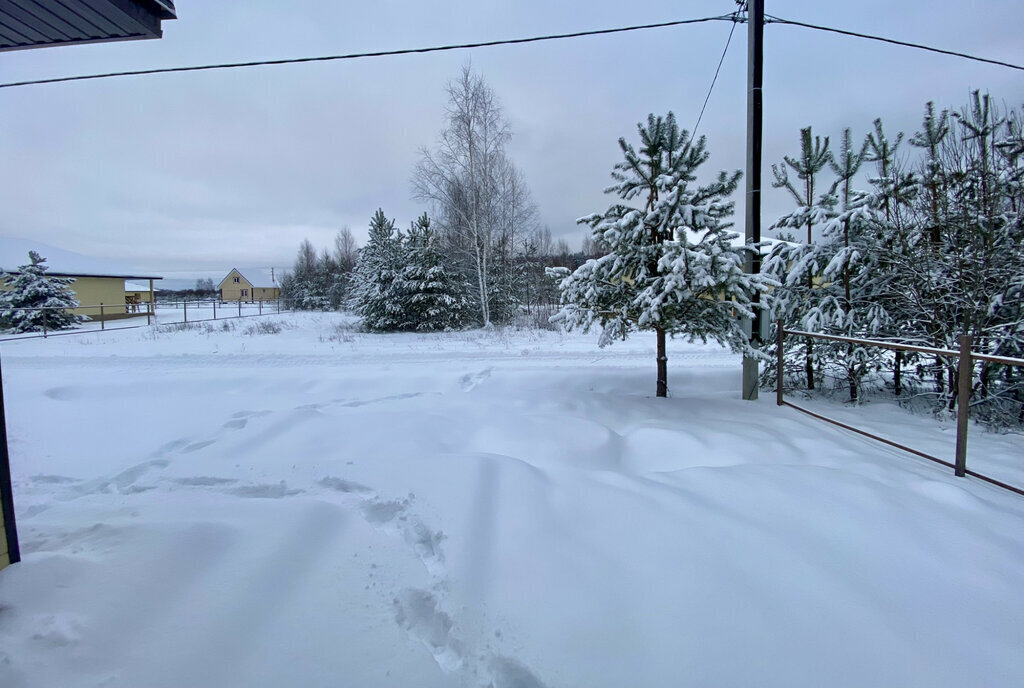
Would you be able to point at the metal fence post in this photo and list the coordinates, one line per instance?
(239, 306)
(149, 312)
(261, 306)
(965, 375)
(103, 324)
(184, 305)
(215, 309)
(779, 336)
(44, 323)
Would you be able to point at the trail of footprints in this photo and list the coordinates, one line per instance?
(419, 612)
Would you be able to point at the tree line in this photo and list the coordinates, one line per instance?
(930, 248)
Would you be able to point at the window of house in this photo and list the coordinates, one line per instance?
(245, 292)
(236, 280)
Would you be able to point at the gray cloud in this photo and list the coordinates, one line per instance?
(192, 171)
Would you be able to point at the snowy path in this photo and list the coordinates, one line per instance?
(211, 509)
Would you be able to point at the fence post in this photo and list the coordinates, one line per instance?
(261, 306)
(780, 334)
(239, 306)
(215, 309)
(149, 311)
(44, 323)
(965, 376)
(185, 306)
(103, 324)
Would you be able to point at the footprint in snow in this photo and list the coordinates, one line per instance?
(204, 481)
(267, 491)
(346, 486)
(471, 380)
(418, 612)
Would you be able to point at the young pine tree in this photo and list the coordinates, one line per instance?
(374, 294)
(799, 266)
(32, 289)
(670, 265)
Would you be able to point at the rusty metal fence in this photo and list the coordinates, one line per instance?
(965, 376)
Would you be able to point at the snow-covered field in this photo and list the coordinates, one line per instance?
(319, 507)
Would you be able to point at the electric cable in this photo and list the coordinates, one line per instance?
(379, 53)
(769, 19)
(735, 21)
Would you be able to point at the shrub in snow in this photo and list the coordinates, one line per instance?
(670, 264)
(33, 289)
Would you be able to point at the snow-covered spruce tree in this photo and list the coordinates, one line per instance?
(31, 289)
(671, 265)
(799, 267)
(374, 294)
(433, 296)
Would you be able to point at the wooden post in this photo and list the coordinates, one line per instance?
(103, 324)
(963, 403)
(6, 493)
(752, 219)
(780, 336)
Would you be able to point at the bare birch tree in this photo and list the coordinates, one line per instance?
(480, 200)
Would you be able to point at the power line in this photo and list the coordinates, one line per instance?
(735, 20)
(380, 53)
(778, 20)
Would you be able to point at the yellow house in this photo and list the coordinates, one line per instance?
(236, 287)
(100, 296)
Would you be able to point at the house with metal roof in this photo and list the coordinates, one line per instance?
(237, 287)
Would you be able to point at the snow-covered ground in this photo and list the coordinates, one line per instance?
(215, 507)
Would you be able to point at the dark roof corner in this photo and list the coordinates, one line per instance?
(39, 23)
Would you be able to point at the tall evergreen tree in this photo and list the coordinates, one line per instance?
(31, 289)
(671, 265)
(433, 296)
(374, 295)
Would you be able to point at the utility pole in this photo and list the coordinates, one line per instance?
(755, 70)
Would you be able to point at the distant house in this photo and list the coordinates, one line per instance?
(100, 296)
(236, 287)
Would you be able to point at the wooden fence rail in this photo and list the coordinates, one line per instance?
(965, 377)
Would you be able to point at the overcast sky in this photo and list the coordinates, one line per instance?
(198, 171)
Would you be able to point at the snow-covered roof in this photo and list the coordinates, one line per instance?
(62, 263)
(260, 278)
(138, 286)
